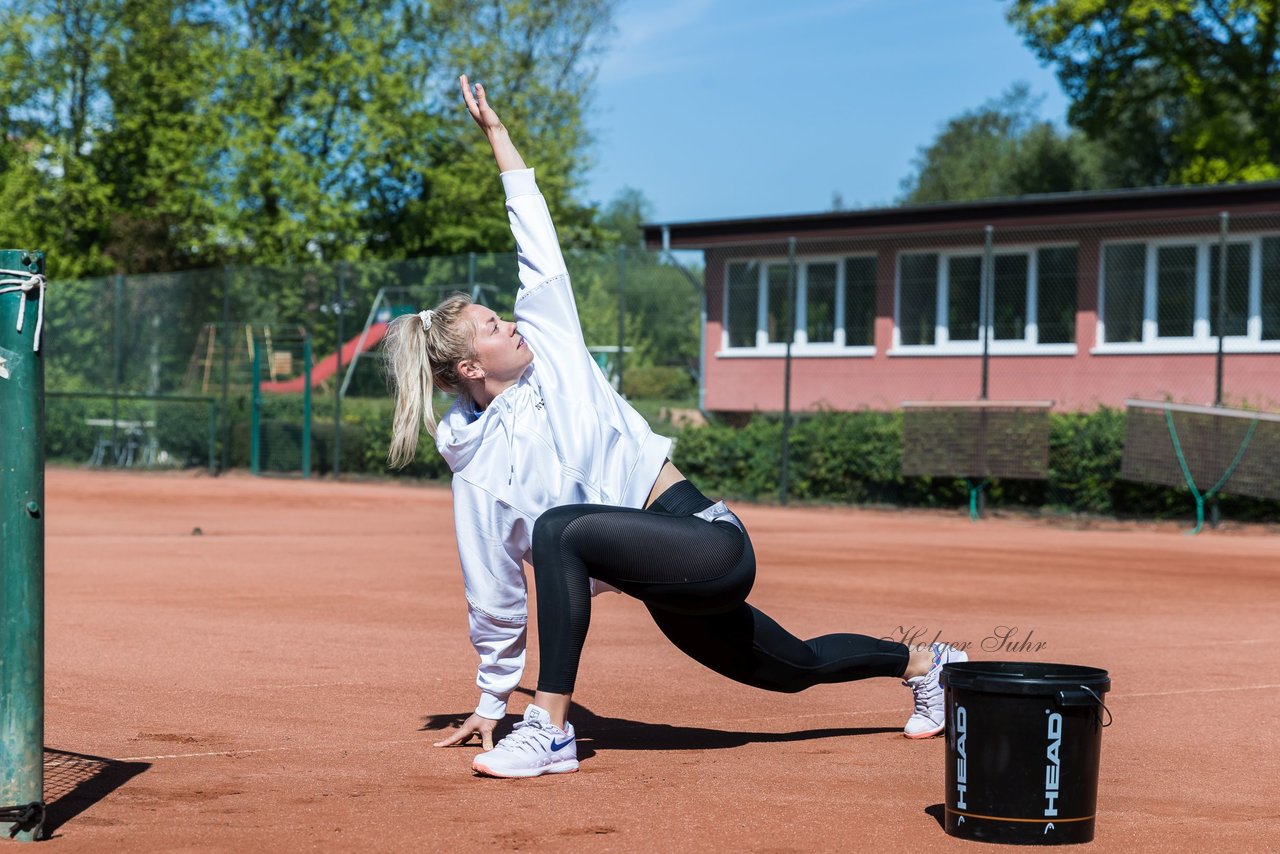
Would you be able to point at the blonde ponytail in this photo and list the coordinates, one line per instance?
(418, 359)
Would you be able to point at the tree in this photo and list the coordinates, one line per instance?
(536, 58)
(1003, 149)
(140, 135)
(621, 221)
(157, 152)
(1182, 91)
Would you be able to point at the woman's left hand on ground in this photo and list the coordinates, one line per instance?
(474, 725)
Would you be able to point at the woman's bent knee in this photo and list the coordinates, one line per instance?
(549, 528)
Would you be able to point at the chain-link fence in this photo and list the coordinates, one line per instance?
(820, 340)
(1095, 321)
(129, 355)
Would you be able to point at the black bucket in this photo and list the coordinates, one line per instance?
(1023, 743)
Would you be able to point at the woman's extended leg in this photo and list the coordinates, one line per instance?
(694, 577)
(749, 647)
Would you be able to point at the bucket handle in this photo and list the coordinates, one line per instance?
(1071, 698)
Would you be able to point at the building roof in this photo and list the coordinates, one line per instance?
(1108, 206)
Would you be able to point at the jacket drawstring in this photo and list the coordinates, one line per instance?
(511, 445)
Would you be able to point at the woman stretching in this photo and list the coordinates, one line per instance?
(552, 467)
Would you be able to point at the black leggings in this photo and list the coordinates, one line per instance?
(694, 577)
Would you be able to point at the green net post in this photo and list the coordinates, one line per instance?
(306, 405)
(255, 413)
(976, 503)
(22, 554)
(1191, 481)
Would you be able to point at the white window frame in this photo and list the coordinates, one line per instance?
(801, 347)
(1200, 340)
(1028, 345)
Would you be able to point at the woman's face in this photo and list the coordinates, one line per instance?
(501, 353)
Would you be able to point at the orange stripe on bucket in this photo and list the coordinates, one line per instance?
(1028, 820)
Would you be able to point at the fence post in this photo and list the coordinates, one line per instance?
(622, 312)
(22, 533)
(306, 405)
(337, 398)
(701, 288)
(986, 296)
(116, 367)
(213, 437)
(789, 329)
(225, 413)
(1221, 301)
(255, 411)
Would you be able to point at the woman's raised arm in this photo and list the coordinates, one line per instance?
(504, 150)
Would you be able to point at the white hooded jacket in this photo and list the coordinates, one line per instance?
(560, 435)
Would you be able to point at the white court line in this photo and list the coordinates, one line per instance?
(303, 685)
(1198, 691)
(246, 751)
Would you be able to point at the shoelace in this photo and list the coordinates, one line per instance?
(924, 692)
(924, 695)
(523, 737)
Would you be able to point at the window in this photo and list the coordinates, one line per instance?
(860, 302)
(778, 311)
(1033, 296)
(964, 295)
(1234, 290)
(743, 299)
(820, 304)
(1177, 293)
(1010, 300)
(1055, 296)
(918, 299)
(834, 310)
(1124, 271)
(1270, 290)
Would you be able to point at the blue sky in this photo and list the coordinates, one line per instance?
(729, 108)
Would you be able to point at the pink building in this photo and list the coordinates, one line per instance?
(1088, 299)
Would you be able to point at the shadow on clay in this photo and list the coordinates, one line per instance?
(73, 782)
(939, 814)
(607, 733)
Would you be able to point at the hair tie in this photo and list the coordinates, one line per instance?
(426, 317)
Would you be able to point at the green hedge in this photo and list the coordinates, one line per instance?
(855, 457)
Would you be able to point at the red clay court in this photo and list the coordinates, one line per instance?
(275, 681)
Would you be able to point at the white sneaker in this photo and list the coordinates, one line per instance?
(536, 746)
(930, 717)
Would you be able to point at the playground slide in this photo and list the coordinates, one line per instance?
(328, 366)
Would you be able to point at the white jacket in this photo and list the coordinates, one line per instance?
(560, 435)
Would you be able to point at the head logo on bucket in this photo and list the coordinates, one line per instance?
(962, 782)
(1053, 766)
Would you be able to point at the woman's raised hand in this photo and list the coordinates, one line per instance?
(504, 151)
(479, 107)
